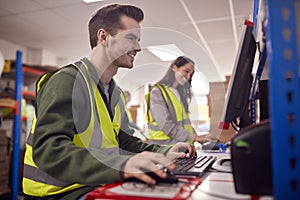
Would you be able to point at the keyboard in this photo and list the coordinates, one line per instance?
(193, 166)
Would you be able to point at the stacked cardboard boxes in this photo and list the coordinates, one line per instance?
(4, 162)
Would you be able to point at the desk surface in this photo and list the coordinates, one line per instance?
(219, 185)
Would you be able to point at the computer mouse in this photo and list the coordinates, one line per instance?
(171, 178)
(210, 145)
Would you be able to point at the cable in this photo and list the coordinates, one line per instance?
(234, 126)
(216, 171)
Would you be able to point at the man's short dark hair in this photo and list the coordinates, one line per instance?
(108, 18)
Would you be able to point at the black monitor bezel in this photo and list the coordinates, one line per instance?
(236, 105)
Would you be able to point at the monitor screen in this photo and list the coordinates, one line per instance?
(236, 107)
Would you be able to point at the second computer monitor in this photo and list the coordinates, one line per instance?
(236, 106)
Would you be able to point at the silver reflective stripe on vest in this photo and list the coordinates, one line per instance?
(186, 121)
(41, 177)
(156, 128)
(29, 139)
(170, 105)
(122, 108)
(115, 97)
(104, 153)
(96, 140)
(153, 127)
(38, 175)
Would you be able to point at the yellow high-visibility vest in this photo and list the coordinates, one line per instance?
(38, 183)
(178, 113)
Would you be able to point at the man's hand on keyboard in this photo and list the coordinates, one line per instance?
(136, 165)
(181, 150)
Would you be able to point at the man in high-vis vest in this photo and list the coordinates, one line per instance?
(80, 138)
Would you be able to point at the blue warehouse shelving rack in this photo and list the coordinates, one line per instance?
(284, 97)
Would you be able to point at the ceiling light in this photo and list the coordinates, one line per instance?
(167, 52)
(91, 1)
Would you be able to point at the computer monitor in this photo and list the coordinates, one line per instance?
(236, 107)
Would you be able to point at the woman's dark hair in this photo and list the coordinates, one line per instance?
(108, 18)
(183, 90)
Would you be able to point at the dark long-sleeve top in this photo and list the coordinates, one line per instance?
(60, 115)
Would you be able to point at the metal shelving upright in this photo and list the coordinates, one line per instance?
(15, 170)
(284, 97)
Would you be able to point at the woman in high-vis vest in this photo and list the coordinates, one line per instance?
(167, 106)
(80, 137)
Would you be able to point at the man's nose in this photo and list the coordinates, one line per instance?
(137, 47)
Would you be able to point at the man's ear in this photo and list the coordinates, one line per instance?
(102, 36)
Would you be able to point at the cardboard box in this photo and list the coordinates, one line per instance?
(4, 162)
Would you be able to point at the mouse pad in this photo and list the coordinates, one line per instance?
(136, 190)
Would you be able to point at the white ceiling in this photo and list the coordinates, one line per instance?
(208, 31)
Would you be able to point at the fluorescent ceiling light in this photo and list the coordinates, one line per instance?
(91, 1)
(167, 52)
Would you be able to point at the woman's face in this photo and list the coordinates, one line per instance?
(183, 73)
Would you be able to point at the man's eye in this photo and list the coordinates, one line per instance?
(131, 38)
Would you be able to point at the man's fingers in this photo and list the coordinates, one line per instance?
(159, 159)
(139, 165)
(175, 151)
